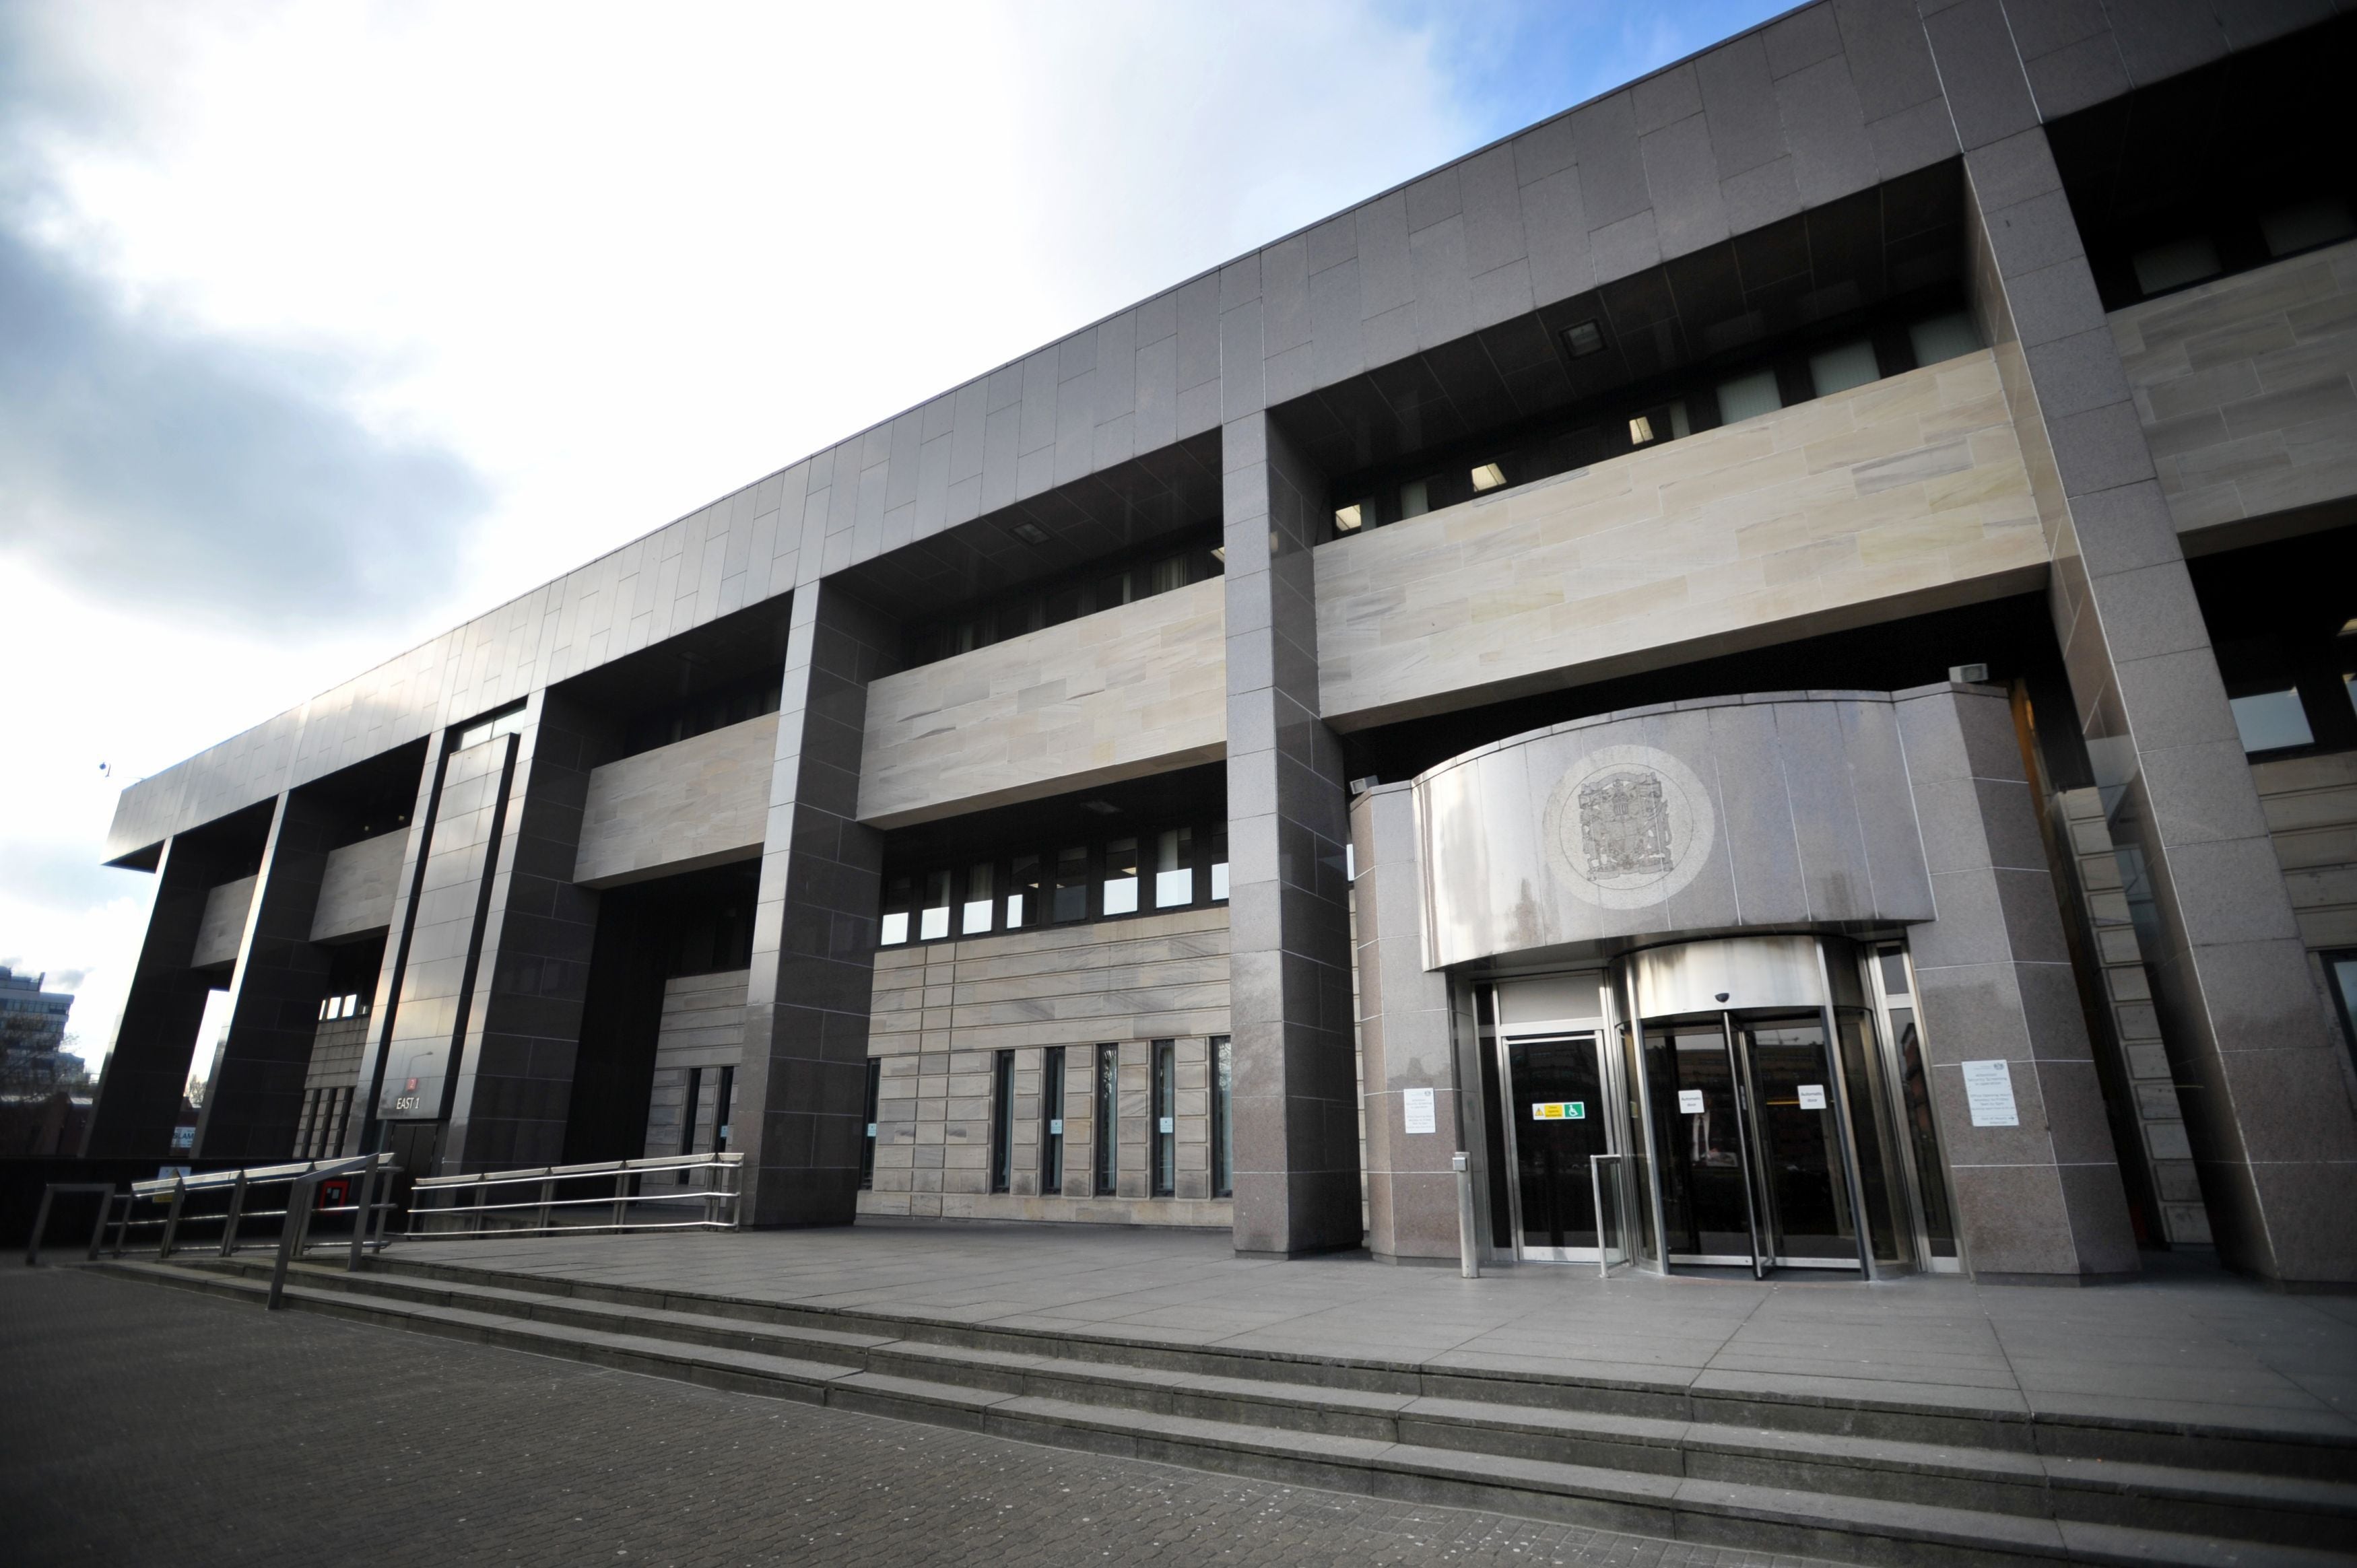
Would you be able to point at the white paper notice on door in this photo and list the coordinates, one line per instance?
(1419, 1106)
(1689, 1101)
(1812, 1096)
(1988, 1093)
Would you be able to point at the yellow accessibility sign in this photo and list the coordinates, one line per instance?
(1558, 1110)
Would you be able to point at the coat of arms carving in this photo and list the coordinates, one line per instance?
(1624, 823)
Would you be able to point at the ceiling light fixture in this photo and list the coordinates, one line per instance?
(1030, 533)
(1487, 476)
(1582, 339)
(1349, 519)
(1641, 430)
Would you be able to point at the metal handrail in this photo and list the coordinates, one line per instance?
(118, 1211)
(1596, 1164)
(627, 1177)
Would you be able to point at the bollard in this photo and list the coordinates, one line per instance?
(1468, 1240)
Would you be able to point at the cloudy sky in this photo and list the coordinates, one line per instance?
(323, 326)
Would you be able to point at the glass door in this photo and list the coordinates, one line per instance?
(1698, 1152)
(1556, 1121)
(1800, 1158)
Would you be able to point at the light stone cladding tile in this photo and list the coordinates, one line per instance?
(941, 1011)
(224, 923)
(356, 893)
(2248, 388)
(1901, 496)
(2311, 811)
(696, 802)
(1114, 696)
(703, 1027)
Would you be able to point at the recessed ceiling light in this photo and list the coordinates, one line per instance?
(1641, 430)
(2348, 628)
(1583, 339)
(1347, 519)
(1030, 533)
(1219, 553)
(1487, 476)
(1101, 808)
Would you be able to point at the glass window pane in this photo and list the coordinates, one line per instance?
(1072, 893)
(1121, 877)
(1416, 499)
(2307, 225)
(1023, 906)
(896, 929)
(1173, 868)
(975, 917)
(1840, 368)
(1943, 338)
(2269, 720)
(1169, 574)
(933, 923)
(1749, 397)
(2175, 265)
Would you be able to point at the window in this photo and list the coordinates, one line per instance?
(1173, 868)
(1071, 885)
(2271, 721)
(1051, 1120)
(1165, 1126)
(1749, 397)
(2306, 225)
(687, 1113)
(1223, 1121)
(933, 921)
(1416, 499)
(723, 1107)
(975, 917)
(1105, 585)
(2341, 970)
(1002, 1121)
(1216, 851)
(508, 721)
(899, 896)
(867, 1143)
(2159, 268)
(1121, 877)
(1108, 1117)
(1023, 904)
(1943, 338)
(1843, 366)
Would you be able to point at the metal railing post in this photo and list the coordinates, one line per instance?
(361, 1216)
(547, 1197)
(172, 1220)
(384, 1206)
(236, 1213)
(1469, 1241)
(299, 1198)
(98, 1231)
(123, 1226)
(41, 1224)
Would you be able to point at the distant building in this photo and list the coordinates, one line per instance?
(33, 1027)
(44, 1092)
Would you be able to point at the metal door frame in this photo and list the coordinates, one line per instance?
(1597, 1031)
(1894, 1072)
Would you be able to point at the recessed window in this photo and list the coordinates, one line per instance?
(1840, 368)
(1350, 519)
(1582, 339)
(1223, 1142)
(1487, 476)
(2270, 721)
(933, 920)
(1051, 1120)
(867, 1144)
(974, 918)
(1416, 499)
(1107, 1116)
(2290, 230)
(1164, 1090)
(492, 728)
(1023, 893)
(2161, 268)
(1173, 868)
(1071, 893)
(1943, 338)
(1749, 397)
(899, 897)
(1121, 877)
(1002, 1121)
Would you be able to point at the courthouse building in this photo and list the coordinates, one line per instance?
(1769, 660)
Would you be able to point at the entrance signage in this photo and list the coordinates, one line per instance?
(1559, 1110)
(1988, 1094)
(1689, 1101)
(1418, 1105)
(1812, 1096)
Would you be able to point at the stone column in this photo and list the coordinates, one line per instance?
(522, 1024)
(2040, 1200)
(802, 1083)
(1296, 1177)
(1404, 1042)
(2265, 1104)
(139, 1092)
(254, 1100)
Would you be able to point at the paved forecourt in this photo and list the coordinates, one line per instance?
(2192, 1347)
(140, 1425)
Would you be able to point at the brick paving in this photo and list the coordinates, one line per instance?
(144, 1425)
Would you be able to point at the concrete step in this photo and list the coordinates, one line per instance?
(1634, 1473)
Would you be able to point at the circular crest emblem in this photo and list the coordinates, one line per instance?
(1627, 826)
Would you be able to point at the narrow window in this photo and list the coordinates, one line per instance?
(1170, 574)
(1943, 338)
(975, 917)
(1121, 877)
(306, 1137)
(1173, 868)
(935, 922)
(1416, 499)
(1071, 885)
(899, 897)
(1051, 1120)
(2160, 268)
(1749, 397)
(687, 1112)
(1840, 368)
(724, 1105)
(867, 1143)
(1023, 906)
(1166, 1118)
(1002, 1121)
(1108, 1112)
(1223, 1121)
(1217, 852)
(343, 1114)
